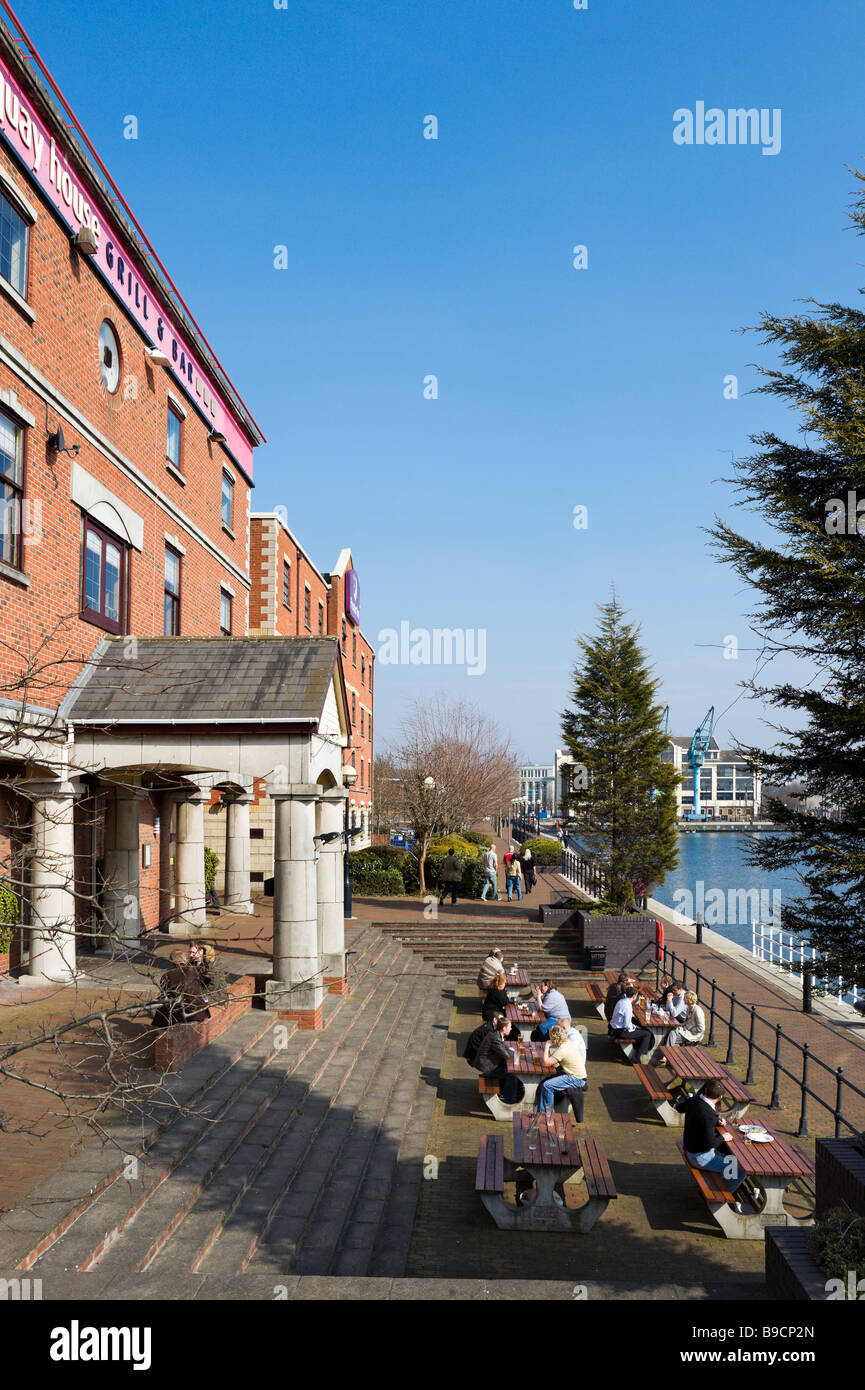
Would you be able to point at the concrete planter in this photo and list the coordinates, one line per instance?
(839, 1174)
(629, 940)
(792, 1273)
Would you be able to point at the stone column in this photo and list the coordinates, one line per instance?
(165, 804)
(237, 894)
(329, 876)
(52, 879)
(120, 903)
(189, 900)
(295, 990)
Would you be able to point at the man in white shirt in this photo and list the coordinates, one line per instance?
(491, 868)
(622, 1025)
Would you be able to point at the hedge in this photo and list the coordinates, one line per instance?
(376, 871)
(8, 916)
(463, 848)
(211, 864)
(475, 837)
(545, 852)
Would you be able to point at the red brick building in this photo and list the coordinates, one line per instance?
(291, 597)
(125, 478)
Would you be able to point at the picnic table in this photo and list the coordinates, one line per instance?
(659, 1023)
(693, 1065)
(515, 980)
(526, 1063)
(770, 1169)
(526, 1020)
(546, 1149)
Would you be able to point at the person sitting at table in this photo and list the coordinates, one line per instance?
(477, 1037)
(575, 1036)
(491, 1060)
(622, 1025)
(692, 1028)
(673, 1000)
(614, 994)
(702, 1143)
(553, 1006)
(496, 1001)
(490, 968)
(571, 1072)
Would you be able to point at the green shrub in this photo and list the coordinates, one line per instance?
(211, 864)
(470, 884)
(462, 848)
(8, 916)
(475, 837)
(545, 852)
(838, 1243)
(373, 876)
(382, 854)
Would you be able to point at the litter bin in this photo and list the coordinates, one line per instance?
(595, 957)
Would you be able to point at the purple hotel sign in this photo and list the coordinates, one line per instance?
(352, 595)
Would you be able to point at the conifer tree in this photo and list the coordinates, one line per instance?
(810, 579)
(623, 798)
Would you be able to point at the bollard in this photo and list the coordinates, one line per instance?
(699, 926)
(775, 1102)
(839, 1083)
(807, 983)
(750, 1077)
(802, 1131)
(710, 1041)
(728, 1059)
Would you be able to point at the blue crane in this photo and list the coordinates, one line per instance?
(696, 757)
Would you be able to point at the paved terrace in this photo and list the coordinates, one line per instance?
(656, 1241)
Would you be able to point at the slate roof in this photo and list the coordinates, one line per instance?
(205, 680)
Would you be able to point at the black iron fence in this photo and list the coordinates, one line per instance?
(722, 1003)
(585, 873)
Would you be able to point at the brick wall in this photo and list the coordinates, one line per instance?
(40, 619)
(839, 1176)
(630, 942)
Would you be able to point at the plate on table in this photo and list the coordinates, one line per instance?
(760, 1136)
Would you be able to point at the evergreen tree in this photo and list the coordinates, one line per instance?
(623, 796)
(811, 583)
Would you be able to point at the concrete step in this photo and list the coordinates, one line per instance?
(218, 1106)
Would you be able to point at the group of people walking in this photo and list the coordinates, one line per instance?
(519, 870)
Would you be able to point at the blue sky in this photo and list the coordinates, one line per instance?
(407, 257)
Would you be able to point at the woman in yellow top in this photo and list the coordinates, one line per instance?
(571, 1074)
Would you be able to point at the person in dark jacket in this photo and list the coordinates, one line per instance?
(614, 994)
(702, 1142)
(477, 1037)
(496, 1001)
(182, 1000)
(492, 1060)
(527, 862)
(451, 875)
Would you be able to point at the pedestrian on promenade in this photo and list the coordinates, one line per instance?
(692, 1029)
(527, 863)
(514, 878)
(491, 867)
(452, 872)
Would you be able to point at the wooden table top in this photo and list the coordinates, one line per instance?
(657, 1021)
(693, 1064)
(516, 1014)
(780, 1159)
(530, 1063)
(517, 977)
(553, 1138)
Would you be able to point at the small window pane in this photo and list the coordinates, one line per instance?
(227, 500)
(112, 583)
(13, 247)
(109, 357)
(172, 442)
(172, 572)
(10, 524)
(93, 573)
(10, 450)
(225, 614)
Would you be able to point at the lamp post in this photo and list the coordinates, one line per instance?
(349, 777)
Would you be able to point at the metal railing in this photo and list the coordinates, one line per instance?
(669, 963)
(586, 874)
(798, 958)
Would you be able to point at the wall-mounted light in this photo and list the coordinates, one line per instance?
(216, 437)
(84, 241)
(57, 443)
(145, 856)
(156, 356)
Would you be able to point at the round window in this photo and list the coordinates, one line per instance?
(109, 357)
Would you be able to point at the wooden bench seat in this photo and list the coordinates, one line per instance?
(658, 1094)
(712, 1186)
(488, 1086)
(490, 1174)
(596, 1172)
(597, 994)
